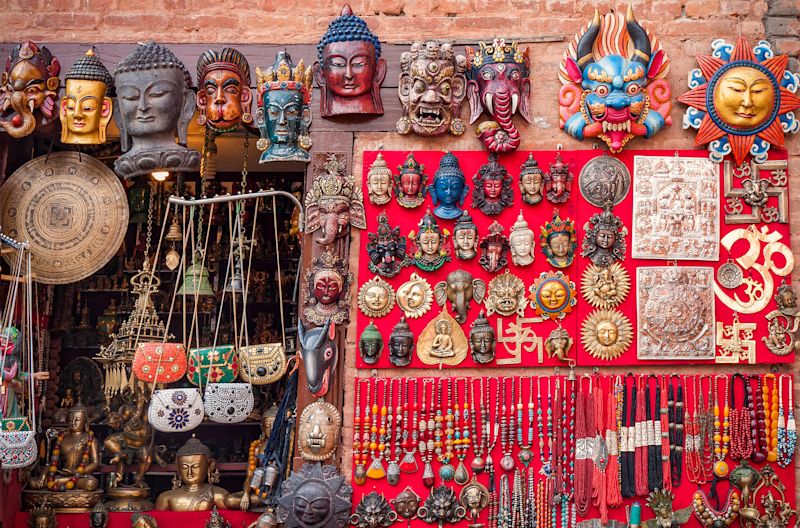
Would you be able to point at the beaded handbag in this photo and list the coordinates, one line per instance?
(228, 402)
(218, 364)
(158, 362)
(175, 410)
(262, 364)
(17, 443)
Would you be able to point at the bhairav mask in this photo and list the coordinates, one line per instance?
(328, 296)
(28, 89)
(492, 188)
(411, 184)
(335, 203)
(386, 249)
(614, 90)
(432, 87)
(284, 111)
(499, 83)
(741, 100)
(155, 102)
(506, 295)
(320, 355)
(429, 244)
(449, 188)
(223, 90)
(349, 68)
(460, 288)
(373, 512)
(85, 109)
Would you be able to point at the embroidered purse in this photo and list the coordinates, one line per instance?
(158, 362)
(17, 443)
(229, 402)
(175, 410)
(262, 364)
(212, 365)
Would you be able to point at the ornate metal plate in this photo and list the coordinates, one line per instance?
(604, 181)
(73, 211)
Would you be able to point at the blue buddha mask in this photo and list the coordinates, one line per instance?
(449, 188)
(284, 112)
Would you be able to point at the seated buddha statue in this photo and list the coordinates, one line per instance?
(194, 488)
(73, 458)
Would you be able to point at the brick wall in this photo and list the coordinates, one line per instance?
(686, 28)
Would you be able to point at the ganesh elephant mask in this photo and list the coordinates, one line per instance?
(459, 289)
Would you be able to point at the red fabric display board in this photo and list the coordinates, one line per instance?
(520, 339)
(165, 519)
(565, 424)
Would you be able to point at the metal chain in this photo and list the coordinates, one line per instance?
(203, 172)
(149, 226)
(244, 160)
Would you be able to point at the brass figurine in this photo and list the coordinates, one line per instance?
(406, 504)
(376, 297)
(415, 297)
(606, 334)
(474, 497)
(465, 237)
(442, 507)
(661, 502)
(460, 288)
(442, 341)
(43, 516)
(558, 344)
(605, 287)
(530, 181)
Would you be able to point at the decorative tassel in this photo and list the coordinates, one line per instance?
(613, 492)
(641, 444)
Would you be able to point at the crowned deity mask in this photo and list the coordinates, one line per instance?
(86, 107)
(494, 249)
(465, 237)
(498, 83)
(604, 239)
(379, 181)
(284, 111)
(411, 184)
(429, 244)
(530, 181)
(492, 190)
(386, 249)
(614, 88)
(328, 283)
(521, 241)
(155, 102)
(349, 68)
(559, 241)
(558, 182)
(449, 188)
(432, 88)
(223, 95)
(334, 203)
(28, 89)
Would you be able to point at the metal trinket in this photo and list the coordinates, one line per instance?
(415, 297)
(376, 297)
(604, 181)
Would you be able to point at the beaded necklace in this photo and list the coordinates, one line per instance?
(517, 507)
(568, 451)
(558, 488)
(655, 475)
(376, 469)
(506, 427)
(427, 445)
(495, 429)
(628, 439)
(613, 418)
(663, 407)
(79, 472)
(546, 461)
(676, 430)
(481, 434)
(710, 517)
(757, 416)
(741, 442)
(707, 429)
(392, 468)
(787, 429)
(530, 500)
(409, 462)
(463, 437)
(771, 416)
(694, 464)
(525, 454)
(642, 444)
(583, 451)
(446, 470)
(504, 511)
(721, 428)
(360, 457)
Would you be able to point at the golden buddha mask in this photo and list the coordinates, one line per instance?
(744, 97)
(85, 110)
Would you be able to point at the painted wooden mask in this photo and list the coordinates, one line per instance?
(223, 94)
(28, 89)
(86, 107)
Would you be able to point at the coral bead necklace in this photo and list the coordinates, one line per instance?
(741, 441)
(409, 462)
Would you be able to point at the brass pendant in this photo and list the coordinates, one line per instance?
(442, 342)
(730, 275)
(415, 297)
(606, 334)
(376, 297)
(462, 475)
(605, 287)
(172, 259)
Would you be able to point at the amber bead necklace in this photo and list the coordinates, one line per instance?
(409, 441)
(721, 427)
(771, 404)
(361, 435)
(525, 454)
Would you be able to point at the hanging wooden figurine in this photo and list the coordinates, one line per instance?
(155, 103)
(284, 110)
(411, 184)
(349, 68)
(499, 84)
(28, 90)
(86, 107)
(492, 192)
(614, 82)
(432, 88)
(742, 100)
(223, 90)
(328, 283)
(334, 203)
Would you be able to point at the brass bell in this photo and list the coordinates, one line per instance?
(270, 476)
(174, 234)
(236, 284)
(196, 281)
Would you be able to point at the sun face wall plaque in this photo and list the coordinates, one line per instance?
(675, 311)
(741, 100)
(614, 82)
(675, 208)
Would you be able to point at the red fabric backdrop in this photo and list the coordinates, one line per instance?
(165, 519)
(575, 208)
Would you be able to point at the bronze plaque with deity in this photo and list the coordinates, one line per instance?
(73, 211)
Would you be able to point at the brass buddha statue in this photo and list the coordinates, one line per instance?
(73, 458)
(260, 477)
(193, 488)
(86, 107)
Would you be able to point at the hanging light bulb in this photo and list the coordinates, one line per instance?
(160, 175)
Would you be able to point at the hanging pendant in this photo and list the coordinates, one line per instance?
(393, 473)
(427, 475)
(376, 470)
(360, 475)
(507, 462)
(478, 464)
(409, 463)
(721, 469)
(546, 469)
(447, 472)
(462, 475)
(525, 456)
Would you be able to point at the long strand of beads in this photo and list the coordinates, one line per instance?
(721, 425)
(409, 462)
(741, 443)
(545, 469)
(360, 457)
(478, 463)
(569, 462)
(525, 454)
(392, 428)
(532, 521)
(516, 501)
(707, 429)
(664, 399)
(462, 440)
(787, 429)
(427, 444)
(504, 512)
(771, 416)
(507, 428)
(758, 415)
